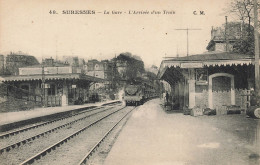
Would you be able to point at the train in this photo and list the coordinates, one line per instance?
(136, 92)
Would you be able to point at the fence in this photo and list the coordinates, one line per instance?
(52, 101)
(7, 90)
(17, 99)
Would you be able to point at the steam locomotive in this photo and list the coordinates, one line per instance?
(136, 92)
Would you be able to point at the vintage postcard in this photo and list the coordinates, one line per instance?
(129, 82)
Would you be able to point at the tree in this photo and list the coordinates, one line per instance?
(134, 65)
(245, 45)
(115, 78)
(243, 11)
(151, 75)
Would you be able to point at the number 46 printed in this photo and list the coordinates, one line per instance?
(53, 12)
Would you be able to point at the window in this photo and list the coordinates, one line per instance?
(25, 87)
(96, 66)
(24, 93)
(51, 90)
(60, 88)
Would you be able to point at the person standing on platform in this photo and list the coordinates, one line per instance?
(163, 96)
(167, 97)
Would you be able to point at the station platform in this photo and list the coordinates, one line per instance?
(14, 117)
(153, 136)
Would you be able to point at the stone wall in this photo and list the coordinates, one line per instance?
(201, 98)
(220, 98)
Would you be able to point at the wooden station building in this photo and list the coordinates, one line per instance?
(58, 85)
(212, 80)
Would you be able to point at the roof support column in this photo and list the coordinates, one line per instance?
(64, 97)
(192, 94)
(256, 33)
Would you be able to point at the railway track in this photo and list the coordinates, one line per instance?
(88, 155)
(16, 149)
(17, 142)
(33, 126)
(7, 134)
(78, 147)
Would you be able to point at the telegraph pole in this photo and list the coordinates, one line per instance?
(43, 85)
(226, 38)
(257, 79)
(187, 30)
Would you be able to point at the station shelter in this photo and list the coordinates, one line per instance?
(51, 86)
(212, 80)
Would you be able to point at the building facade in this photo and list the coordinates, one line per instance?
(53, 84)
(100, 69)
(2, 64)
(11, 63)
(223, 38)
(213, 80)
(217, 79)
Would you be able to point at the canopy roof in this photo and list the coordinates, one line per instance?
(206, 60)
(51, 77)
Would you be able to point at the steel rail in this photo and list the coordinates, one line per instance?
(18, 144)
(113, 103)
(65, 140)
(2, 136)
(87, 156)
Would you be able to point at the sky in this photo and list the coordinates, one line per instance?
(27, 26)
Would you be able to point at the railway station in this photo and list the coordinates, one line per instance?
(212, 80)
(151, 83)
(39, 85)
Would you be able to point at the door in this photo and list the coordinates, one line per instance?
(221, 91)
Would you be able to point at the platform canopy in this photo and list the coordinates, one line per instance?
(206, 60)
(72, 76)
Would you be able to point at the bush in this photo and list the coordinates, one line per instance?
(112, 96)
